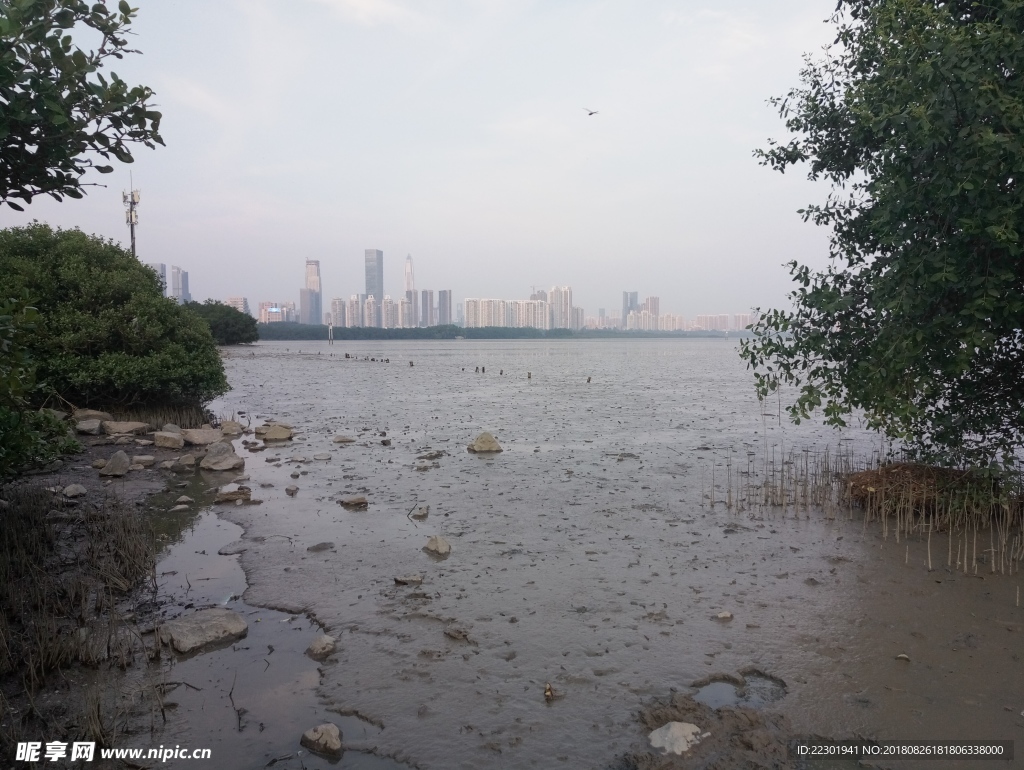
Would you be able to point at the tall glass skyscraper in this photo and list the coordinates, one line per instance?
(310, 297)
(375, 283)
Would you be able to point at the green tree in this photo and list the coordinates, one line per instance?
(916, 118)
(106, 335)
(60, 114)
(228, 325)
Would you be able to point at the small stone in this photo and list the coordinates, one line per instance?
(221, 457)
(167, 465)
(171, 428)
(202, 628)
(724, 615)
(409, 580)
(123, 440)
(484, 443)
(89, 427)
(117, 465)
(321, 647)
(438, 546)
(322, 456)
(325, 740)
(99, 463)
(343, 440)
(178, 509)
(112, 428)
(145, 461)
(277, 433)
(291, 490)
(136, 467)
(184, 500)
(75, 490)
(294, 474)
(357, 502)
(320, 547)
(202, 436)
(675, 737)
(421, 512)
(143, 442)
(903, 656)
(167, 439)
(233, 493)
(231, 428)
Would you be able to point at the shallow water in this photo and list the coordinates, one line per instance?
(588, 554)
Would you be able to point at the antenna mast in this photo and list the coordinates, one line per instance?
(131, 216)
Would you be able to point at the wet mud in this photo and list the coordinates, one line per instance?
(595, 555)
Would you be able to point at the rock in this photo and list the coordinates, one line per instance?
(136, 467)
(184, 464)
(184, 500)
(325, 740)
(321, 647)
(89, 427)
(409, 580)
(170, 428)
(294, 474)
(421, 512)
(221, 457)
(112, 428)
(203, 628)
(485, 442)
(178, 509)
(167, 439)
(202, 436)
(723, 615)
(75, 490)
(296, 459)
(903, 656)
(343, 440)
(91, 414)
(277, 433)
(291, 490)
(140, 442)
(322, 456)
(99, 463)
(228, 495)
(146, 461)
(357, 502)
(232, 549)
(320, 547)
(675, 737)
(117, 465)
(231, 428)
(167, 465)
(122, 440)
(438, 546)
(385, 442)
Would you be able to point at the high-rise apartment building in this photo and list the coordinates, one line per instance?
(354, 311)
(371, 311)
(444, 307)
(410, 289)
(652, 305)
(161, 273)
(310, 297)
(486, 312)
(406, 318)
(241, 304)
(428, 313)
(389, 313)
(460, 315)
(560, 300)
(338, 311)
(179, 286)
(277, 312)
(374, 283)
(529, 313)
(578, 319)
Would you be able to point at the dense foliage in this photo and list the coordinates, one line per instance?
(59, 112)
(916, 118)
(228, 325)
(29, 436)
(106, 335)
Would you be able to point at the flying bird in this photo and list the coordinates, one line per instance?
(590, 111)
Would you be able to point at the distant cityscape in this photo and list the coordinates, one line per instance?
(544, 309)
(177, 287)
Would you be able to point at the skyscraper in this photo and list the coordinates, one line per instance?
(338, 311)
(178, 288)
(629, 304)
(444, 307)
(310, 298)
(428, 313)
(374, 283)
(410, 290)
(560, 301)
(241, 304)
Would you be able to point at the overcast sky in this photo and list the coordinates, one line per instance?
(455, 131)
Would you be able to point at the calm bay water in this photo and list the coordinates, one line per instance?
(587, 555)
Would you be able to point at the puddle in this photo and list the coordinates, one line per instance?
(756, 692)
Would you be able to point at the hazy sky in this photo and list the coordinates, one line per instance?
(454, 130)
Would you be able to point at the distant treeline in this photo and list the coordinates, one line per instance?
(294, 331)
